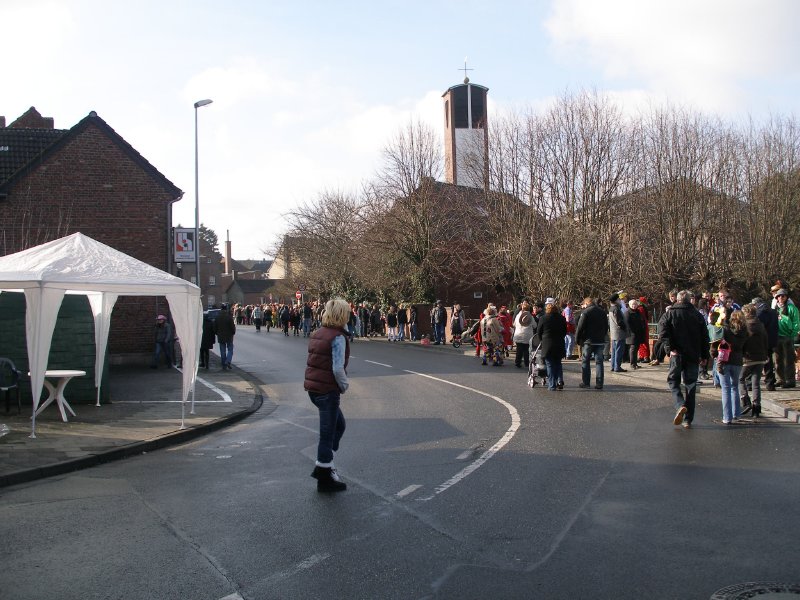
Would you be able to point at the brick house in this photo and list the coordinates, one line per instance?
(88, 179)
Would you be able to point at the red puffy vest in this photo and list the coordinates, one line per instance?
(319, 367)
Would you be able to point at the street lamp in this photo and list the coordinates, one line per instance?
(197, 105)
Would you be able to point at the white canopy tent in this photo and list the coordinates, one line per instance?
(77, 264)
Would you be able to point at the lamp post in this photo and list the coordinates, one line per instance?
(197, 105)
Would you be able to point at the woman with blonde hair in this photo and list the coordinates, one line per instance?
(325, 381)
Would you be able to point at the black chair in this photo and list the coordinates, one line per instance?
(9, 382)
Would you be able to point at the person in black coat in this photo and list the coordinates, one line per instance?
(551, 330)
(206, 341)
(590, 335)
(683, 329)
(755, 353)
(637, 332)
(769, 317)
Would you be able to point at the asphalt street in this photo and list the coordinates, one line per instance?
(463, 483)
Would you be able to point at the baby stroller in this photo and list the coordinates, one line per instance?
(536, 368)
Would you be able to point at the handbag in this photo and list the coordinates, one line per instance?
(723, 352)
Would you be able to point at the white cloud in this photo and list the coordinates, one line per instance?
(706, 53)
(274, 139)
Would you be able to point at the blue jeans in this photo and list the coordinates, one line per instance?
(331, 424)
(166, 348)
(226, 353)
(306, 327)
(589, 350)
(439, 331)
(731, 405)
(569, 344)
(555, 372)
(688, 371)
(413, 331)
(617, 352)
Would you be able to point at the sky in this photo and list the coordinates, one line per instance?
(307, 94)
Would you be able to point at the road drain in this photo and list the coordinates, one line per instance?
(762, 591)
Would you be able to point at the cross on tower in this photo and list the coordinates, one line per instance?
(465, 69)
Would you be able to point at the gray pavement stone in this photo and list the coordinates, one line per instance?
(144, 413)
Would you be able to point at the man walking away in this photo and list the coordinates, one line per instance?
(684, 331)
(591, 336)
(225, 329)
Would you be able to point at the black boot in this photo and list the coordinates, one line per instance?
(756, 410)
(328, 480)
(747, 406)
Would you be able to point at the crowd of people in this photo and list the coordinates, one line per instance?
(706, 336)
(703, 336)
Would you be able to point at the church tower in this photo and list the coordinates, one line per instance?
(466, 135)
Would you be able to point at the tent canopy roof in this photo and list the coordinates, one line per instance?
(79, 263)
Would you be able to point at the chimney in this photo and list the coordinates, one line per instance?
(2, 122)
(228, 251)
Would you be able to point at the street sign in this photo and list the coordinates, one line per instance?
(298, 294)
(302, 287)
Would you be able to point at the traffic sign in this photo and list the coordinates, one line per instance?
(302, 287)
(298, 294)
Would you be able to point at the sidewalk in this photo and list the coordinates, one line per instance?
(144, 414)
(780, 403)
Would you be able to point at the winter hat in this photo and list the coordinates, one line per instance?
(613, 297)
(549, 301)
(161, 318)
(782, 292)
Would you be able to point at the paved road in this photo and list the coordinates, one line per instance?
(475, 490)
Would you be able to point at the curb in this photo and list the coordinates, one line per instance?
(132, 449)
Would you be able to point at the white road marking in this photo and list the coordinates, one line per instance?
(377, 363)
(408, 490)
(473, 466)
(213, 388)
(232, 597)
(303, 565)
(225, 397)
(464, 455)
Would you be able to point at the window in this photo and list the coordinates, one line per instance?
(212, 280)
(193, 279)
(211, 301)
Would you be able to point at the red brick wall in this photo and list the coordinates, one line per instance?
(91, 186)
